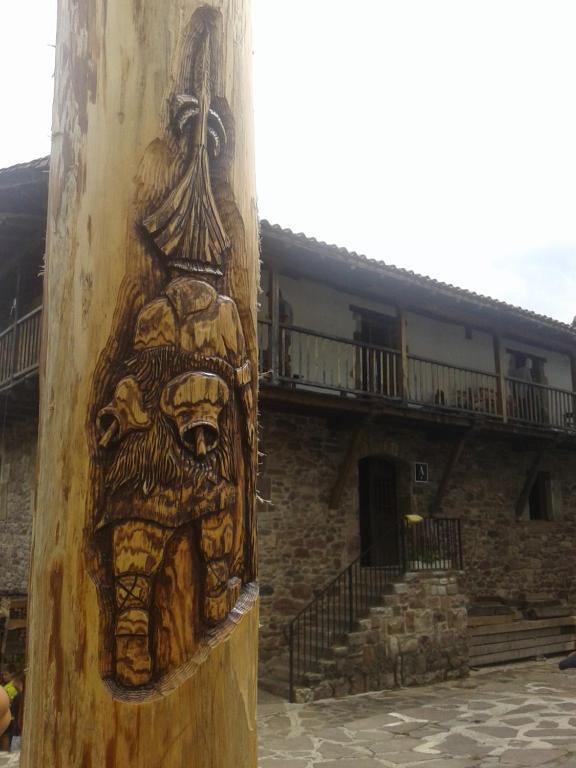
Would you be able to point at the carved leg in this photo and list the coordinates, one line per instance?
(138, 551)
(220, 591)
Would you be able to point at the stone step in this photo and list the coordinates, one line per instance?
(310, 679)
(277, 687)
(344, 644)
(277, 671)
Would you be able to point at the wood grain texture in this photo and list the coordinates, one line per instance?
(143, 615)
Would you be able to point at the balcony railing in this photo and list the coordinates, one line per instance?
(538, 404)
(446, 386)
(20, 348)
(307, 359)
(330, 362)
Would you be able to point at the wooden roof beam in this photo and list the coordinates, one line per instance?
(457, 449)
(532, 474)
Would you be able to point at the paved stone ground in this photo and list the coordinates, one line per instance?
(506, 717)
(509, 717)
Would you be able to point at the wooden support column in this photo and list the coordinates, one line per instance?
(572, 419)
(274, 301)
(143, 614)
(404, 354)
(15, 318)
(532, 473)
(457, 449)
(348, 462)
(500, 378)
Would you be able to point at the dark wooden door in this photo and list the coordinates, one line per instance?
(378, 373)
(379, 522)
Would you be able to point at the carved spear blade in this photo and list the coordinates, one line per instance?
(187, 227)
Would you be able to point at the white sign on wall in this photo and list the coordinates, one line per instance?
(421, 474)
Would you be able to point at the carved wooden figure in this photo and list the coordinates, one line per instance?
(145, 520)
(178, 425)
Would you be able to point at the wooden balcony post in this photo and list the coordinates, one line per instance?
(275, 340)
(573, 372)
(404, 354)
(500, 378)
(14, 360)
(142, 642)
(545, 448)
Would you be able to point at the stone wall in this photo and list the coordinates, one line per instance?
(417, 637)
(17, 473)
(506, 557)
(303, 544)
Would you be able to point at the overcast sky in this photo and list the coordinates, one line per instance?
(437, 135)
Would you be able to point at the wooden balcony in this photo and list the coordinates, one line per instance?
(20, 349)
(304, 359)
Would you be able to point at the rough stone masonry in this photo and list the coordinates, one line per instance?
(304, 543)
(17, 469)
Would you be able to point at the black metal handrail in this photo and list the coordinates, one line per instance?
(432, 544)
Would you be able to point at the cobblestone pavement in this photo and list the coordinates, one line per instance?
(9, 761)
(507, 717)
(510, 717)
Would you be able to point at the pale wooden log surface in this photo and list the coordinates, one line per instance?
(117, 66)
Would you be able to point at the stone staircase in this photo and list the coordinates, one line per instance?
(413, 633)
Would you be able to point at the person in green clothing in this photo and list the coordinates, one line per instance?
(5, 720)
(8, 681)
(14, 730)
(5, 716)
(12, 688)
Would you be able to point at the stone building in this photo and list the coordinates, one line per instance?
(418, 461)
(386, 394)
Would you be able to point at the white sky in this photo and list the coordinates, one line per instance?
(438, 135)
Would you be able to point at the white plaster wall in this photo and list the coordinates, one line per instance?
(326, 309)
(447, 343)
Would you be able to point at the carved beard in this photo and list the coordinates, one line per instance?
(154, 459)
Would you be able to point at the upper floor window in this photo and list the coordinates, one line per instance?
(526, 367)
(376, 328)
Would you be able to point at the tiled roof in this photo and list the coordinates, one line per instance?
(351, 258)
(359, 260)
(41, 164)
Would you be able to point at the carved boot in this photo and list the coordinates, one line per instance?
(133, 659)
(220, 592)
(216, 591)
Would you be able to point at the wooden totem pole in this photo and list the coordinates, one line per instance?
(143, 616)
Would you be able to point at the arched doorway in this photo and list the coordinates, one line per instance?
(379, 513)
